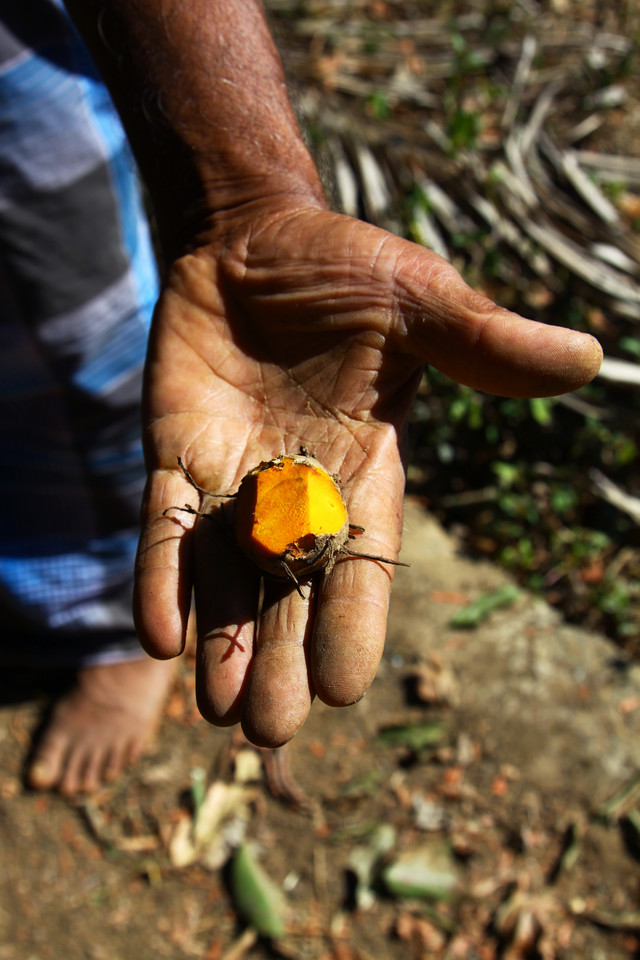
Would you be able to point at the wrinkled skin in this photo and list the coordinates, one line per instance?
(297, 326)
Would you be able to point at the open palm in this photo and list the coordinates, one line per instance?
(303, 328)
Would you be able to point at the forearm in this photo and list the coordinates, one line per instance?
(200, 89)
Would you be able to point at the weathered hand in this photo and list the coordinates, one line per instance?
(303, 328)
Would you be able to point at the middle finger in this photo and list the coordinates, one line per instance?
(278, 694)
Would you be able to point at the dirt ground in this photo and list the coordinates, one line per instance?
(522, 791)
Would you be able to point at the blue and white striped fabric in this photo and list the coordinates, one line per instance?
(78, 284)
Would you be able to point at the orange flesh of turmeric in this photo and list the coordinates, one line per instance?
(284, 502)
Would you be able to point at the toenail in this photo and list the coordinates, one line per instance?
(40, 773)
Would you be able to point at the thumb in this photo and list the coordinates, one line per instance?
(443, 322)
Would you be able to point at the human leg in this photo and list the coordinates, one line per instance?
(77, 285)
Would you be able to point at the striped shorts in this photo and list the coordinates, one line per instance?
(78, 284)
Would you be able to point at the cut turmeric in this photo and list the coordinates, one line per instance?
(290, 509)
(290, 518)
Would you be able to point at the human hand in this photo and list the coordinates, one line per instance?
(303, 327)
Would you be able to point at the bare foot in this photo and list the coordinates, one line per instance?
(100, 726)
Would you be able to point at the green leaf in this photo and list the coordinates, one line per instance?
(541, 410)
(379, 105)
(473, 614)
(507, 473)
(428, 872)
(630, 345)
(257, 898)
(416, 736)
(463, 128)
(198, 779)
(563, 498)
(365, 785)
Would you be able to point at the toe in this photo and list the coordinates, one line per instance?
(116, 762)
(137, 748)
(93, 772)
(48, 763)
(73, 776)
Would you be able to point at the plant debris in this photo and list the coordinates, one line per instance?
(257, 898)
(427, 872)
(482, 608)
